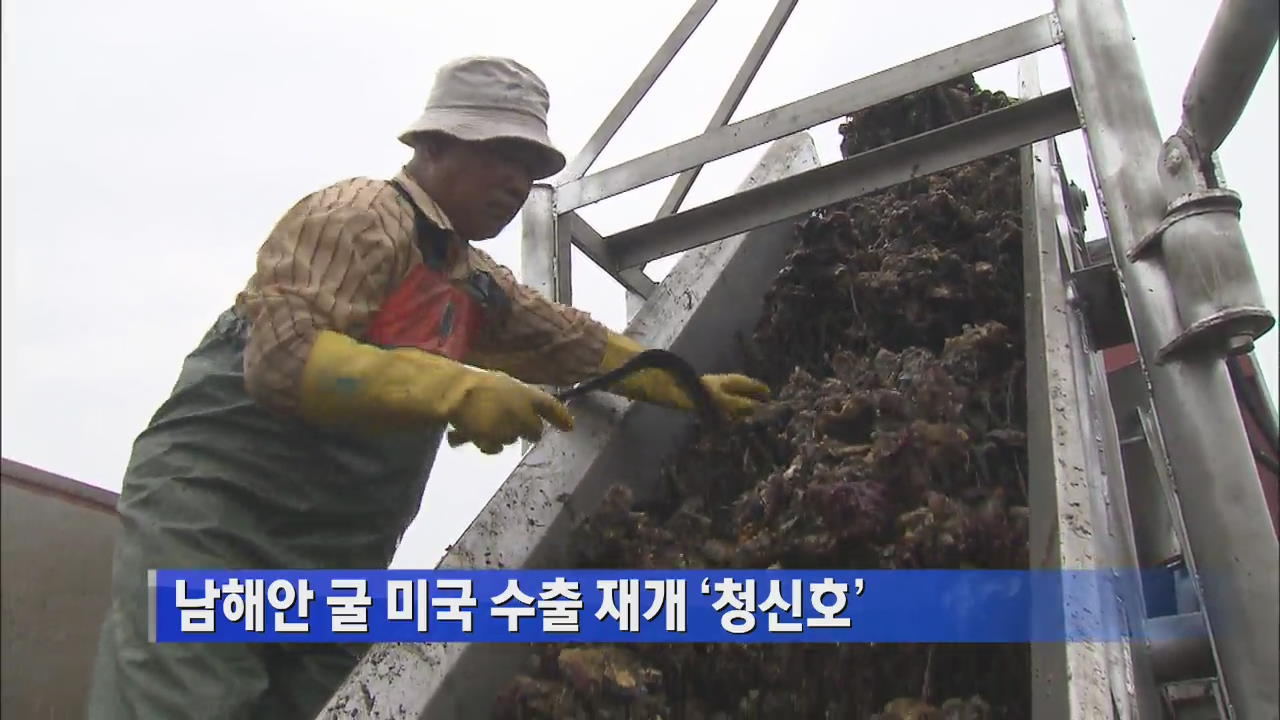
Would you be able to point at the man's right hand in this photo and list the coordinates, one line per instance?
(349, 383)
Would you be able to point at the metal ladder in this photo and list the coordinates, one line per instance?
(1147, 465)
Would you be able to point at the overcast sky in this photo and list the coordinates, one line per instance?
(149, 146)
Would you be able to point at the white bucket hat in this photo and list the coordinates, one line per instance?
(485, 98)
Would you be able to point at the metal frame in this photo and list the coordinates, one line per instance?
(1230, 544)
(883, 167)
(998, 47)
(737, 89)
(1070, 525)
(696, 313)
(1080, 498)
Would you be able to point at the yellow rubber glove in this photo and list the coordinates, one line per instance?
(737, 395)
(350, 383)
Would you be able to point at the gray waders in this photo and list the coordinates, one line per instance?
(218, 481)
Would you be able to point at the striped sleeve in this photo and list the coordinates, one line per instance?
(538, 341)
(327, 265)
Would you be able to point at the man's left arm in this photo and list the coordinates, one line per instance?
(536, 340)
(546, 343)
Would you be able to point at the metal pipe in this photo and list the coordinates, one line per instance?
(1232, 548)
(733, 95)
(639, 88)
(1243, 34)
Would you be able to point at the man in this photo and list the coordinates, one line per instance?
(301, 430)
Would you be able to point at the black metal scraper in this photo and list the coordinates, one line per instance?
(684, 374)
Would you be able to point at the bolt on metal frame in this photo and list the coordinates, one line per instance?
(1192, 424)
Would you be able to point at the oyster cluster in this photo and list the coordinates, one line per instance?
(893, 337)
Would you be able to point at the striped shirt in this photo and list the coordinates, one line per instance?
(335, 257)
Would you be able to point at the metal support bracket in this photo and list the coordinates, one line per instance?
(1202, 249)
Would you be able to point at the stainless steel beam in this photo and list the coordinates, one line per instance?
(1000, 46)
(883, 167)
(1071, 528)
(746, 73)
(1241, 40)
(593, 246)
(711, 295)
(634, 302)
(544, 248)
(1232, 549)
(639, 88)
